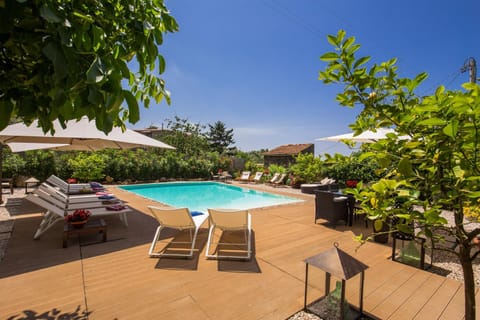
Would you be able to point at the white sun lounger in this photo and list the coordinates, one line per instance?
(74, 202)
(57, 209)
(279, 181)
(274, 178)
(230, 220)
(77, 198)
(257, 177)
(68, 188)
(245, 177)
(180, 219)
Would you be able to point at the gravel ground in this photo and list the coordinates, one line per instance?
(446, 263)
(302, 315)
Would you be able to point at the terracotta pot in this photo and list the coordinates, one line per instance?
(78, 224)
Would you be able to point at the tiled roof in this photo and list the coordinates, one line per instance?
(288, 149)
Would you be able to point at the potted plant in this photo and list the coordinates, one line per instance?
(78, 218)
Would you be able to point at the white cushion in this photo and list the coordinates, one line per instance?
(324, 181)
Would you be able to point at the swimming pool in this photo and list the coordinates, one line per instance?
(199, 196)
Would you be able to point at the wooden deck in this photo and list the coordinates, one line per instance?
(117, 280)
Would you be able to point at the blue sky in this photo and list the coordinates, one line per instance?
(254, 64)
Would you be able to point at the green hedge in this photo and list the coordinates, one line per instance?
(121, 165)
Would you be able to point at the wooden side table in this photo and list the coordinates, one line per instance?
(92, 226)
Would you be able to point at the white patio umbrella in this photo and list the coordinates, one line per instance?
(366, 136)
(78, 135)
(25, 146)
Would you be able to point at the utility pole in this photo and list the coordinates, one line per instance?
(471, 65)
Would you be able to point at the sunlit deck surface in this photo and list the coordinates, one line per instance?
(117, 280)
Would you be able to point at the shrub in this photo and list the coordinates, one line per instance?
(39, 164)
(13, 164)
(88, 167)
(343, 168)
(274, 168)
(307, 168)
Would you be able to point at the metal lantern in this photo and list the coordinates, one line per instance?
(341, 265)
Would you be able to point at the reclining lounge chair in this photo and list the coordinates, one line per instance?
(274, 178)
(58, 205)
(179, 219)
(245, 177)
(230, 221)
(72, 188)
(279, 181)
(257, 177)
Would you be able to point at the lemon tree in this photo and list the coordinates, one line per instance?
(437, 168)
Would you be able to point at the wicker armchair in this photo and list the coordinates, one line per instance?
(332, 207)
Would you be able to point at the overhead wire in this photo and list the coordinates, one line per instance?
(446, 82)
(295, 19)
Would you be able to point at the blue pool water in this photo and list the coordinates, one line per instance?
(199, 196)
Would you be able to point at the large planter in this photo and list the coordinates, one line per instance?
(383, 236)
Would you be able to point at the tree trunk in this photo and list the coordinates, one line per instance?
(468, 281)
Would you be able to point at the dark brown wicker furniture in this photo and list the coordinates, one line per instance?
(333, 207)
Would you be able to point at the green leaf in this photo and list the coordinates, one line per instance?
(94, 96)
(7, 107)
(474, 195)
(384, 160)
(378, 187)
(451, 129)
(122, 66)
(329, 56)
(341, 35)
(332, 40)
(440, 90)
(161, 64)
(458, 172)
(360, 62)
(404, 228)
(47, 14)
(97, 38)
(94, 73)
(133, 109)
(84, 17)
(405, 167)
(365, 155)
(420, 77)
(348, 42)
(158, 36)
(432, 122)
(56, 56)
(113, 102)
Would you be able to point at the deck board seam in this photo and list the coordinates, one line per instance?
(409, 298)
(392, 292)
(431, 296)
(84, 287)
(449, 301)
